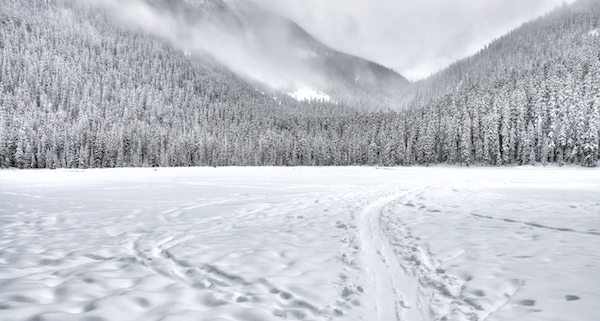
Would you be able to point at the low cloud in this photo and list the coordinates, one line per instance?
(415, 38)
(239, 50)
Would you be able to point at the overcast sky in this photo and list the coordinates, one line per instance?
(413, 37)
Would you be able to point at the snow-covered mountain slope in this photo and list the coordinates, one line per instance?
(308, 94)
(561, 37)
(335, 244)
(304, 60)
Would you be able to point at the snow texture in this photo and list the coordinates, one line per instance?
(300, 243)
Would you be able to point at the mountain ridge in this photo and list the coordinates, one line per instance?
(334, 69)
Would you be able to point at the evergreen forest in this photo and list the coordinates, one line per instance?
(80, 90)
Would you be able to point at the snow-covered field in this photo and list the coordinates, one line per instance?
(300, 243)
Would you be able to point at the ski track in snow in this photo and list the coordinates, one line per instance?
(394, 289)
(300, 244)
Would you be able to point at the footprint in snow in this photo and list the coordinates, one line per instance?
(479, 293)
(527, 303)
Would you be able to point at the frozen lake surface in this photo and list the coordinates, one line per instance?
(300, 244)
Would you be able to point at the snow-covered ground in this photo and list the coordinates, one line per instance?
(304, 93)
(300, 243)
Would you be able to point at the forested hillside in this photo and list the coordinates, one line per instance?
(78, 89)
(532, 96)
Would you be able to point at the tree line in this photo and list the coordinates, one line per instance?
(80, 90)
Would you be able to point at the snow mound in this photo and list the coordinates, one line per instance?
(593, 33)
